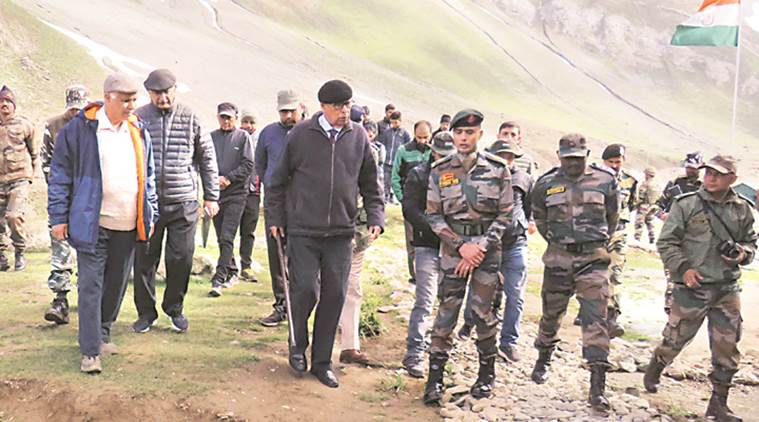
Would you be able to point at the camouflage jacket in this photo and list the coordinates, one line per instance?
(526, 164)
(18, 150)
(675, 188)
(691, 236)
(52, 126)
(482, 196)
(569, 211)
(628, 195)
(648, 193)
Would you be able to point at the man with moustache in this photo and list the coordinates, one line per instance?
(180, 154)
(271, 143)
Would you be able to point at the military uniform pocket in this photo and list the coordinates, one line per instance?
(453, 200)
(487, 201)
(14, 161)
(557, 207)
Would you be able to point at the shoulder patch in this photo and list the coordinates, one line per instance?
(494, 158)
(685, 195)
(448, 179)
(548, 173)
(442, 161)
(747, 199)
(595, 166)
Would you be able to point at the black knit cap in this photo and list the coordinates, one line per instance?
(335, 92)
(613, 151)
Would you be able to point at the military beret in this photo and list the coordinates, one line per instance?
(335, 92)
(160, 80)
(467, 118)
(613, 151)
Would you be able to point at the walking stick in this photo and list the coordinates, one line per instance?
(286, 286)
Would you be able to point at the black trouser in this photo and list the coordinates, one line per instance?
(226, 223)
(178, 223)
(318, 268)
(101, 284)
(248, 226)
(274, 268)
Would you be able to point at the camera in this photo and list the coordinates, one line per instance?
(729, 249)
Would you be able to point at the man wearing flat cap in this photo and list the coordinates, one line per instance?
(469, 207)
(102, 199)
(180, 155)
(271, 143)
(18, 157)
(707, 236)
(326, 164)
(234, 159)
(61, 253)
(576, 209)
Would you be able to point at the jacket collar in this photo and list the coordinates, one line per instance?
(730, 197)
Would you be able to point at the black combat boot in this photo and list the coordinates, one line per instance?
(20, 263)
(615, 329)
(718, 405)
(433, 391)
(59, 310)
(653, 375)
(483, 387)
(542, 365)
(596, 396)
(4, 265)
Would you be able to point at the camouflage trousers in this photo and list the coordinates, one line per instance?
(722, 306)
(618, 254)
(483, 283)
(586, 275)
(61, 263)
(14, 198)
(645, 214)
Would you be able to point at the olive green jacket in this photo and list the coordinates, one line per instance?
(691, 236)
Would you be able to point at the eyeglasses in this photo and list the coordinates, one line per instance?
(340, 106)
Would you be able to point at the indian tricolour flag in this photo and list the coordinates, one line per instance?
(716, 23)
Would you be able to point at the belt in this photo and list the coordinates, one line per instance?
(581, 247)
(469, 229)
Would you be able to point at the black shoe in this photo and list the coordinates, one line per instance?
(179, 324)
(412, 280)
(326, 377)
(4, 265)
(143, 324)
(509, 353)
(58, 311)
(652, 378)
(433, 390)
(483, 387)
(542, 365)
(273, 320)
(298, 362)
(465, 332)
(215, 287)
(596, 395)
(20, 263)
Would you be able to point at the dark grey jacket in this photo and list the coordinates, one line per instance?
(179, 154)
(316, 183)
(234, 156)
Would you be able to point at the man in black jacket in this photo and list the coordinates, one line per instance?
(326, 164)
(427, 253)
(179, 152)
(234, 156)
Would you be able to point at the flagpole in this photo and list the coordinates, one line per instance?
(737, 71)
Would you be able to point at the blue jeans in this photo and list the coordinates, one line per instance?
(514, 271)
(427, 262)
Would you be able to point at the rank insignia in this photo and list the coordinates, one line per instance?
(555, 190)
(448, 179)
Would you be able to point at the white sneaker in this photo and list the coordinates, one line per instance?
(91, 365)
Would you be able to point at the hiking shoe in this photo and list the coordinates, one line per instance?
(91, 365)
(143, 324)
(215, 290)
(509, 353)
(109, 349)
(20, 264)
(248, 275)
(232, 280)
(465, 332)
(58, 312)
(274, 319)
(414, 367)
(4, 265)
(179, 324)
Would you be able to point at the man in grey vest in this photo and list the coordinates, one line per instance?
(179, 154)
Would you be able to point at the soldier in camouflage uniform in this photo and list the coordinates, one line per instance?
(674, 188)
(18, 156)
(614, 159)
(576, 208)
(61, 254)
(469, 207)
(707, 236)
(645, 210)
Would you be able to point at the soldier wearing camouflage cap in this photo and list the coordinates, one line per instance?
(645, 210)
(17, 161)
(469, 207)
(707, 236)
(61, 254)
(576, 209)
